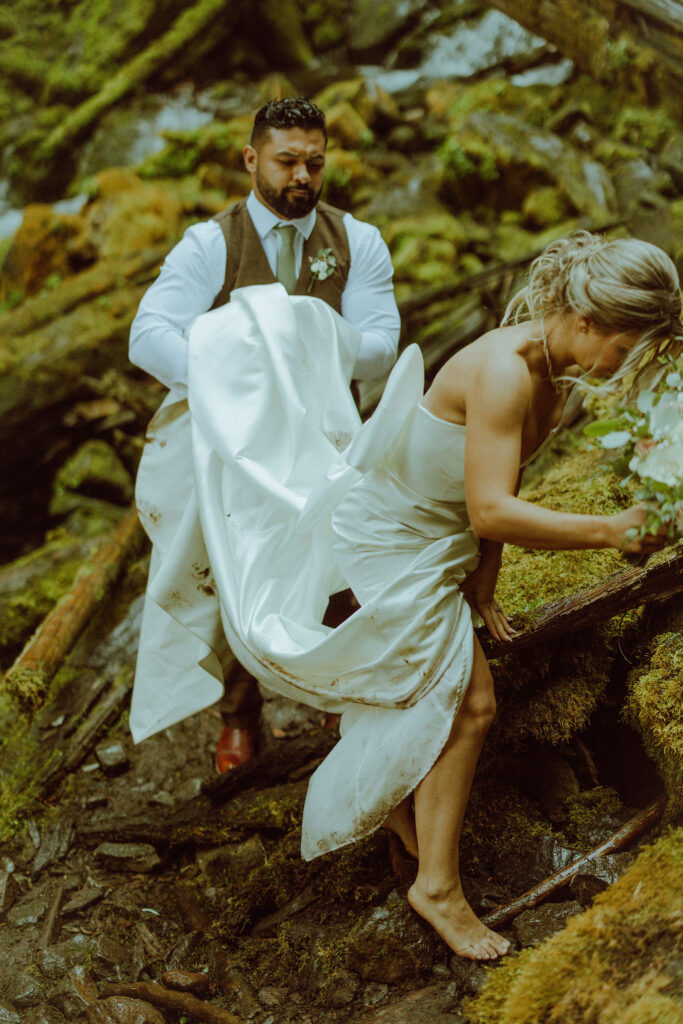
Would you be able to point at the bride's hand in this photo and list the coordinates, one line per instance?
(633, 519)
(480, 596)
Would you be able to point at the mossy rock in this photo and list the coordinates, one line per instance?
(653, 706)
(94, 471)
(617, 963)
(644, 127)
(544, 207)
(221, 142)
(347, 127)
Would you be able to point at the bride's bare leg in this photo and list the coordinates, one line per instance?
(440, 802)
(402, 822)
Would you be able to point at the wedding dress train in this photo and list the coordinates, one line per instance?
(265, 495)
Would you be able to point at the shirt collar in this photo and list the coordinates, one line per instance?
(265, 220)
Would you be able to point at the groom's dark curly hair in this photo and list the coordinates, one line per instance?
(291, 112)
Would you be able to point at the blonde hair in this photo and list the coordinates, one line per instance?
(621, 285)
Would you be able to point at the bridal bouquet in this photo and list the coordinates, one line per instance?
(651, 439)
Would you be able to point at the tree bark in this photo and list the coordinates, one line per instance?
(28, 679)
(179, 1002)
(619, 592)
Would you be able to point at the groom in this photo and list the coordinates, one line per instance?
(281, 232)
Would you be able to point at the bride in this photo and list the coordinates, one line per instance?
(287, 498)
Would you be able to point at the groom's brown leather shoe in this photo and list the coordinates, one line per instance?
(234, 748)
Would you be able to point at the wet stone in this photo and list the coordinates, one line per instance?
(8, 1015)
(374, 993)
(189, 981)
(117, 956)
(55, 961)
(189, 790)
(539, 923)
(390, 944)
(271, 997)
(9, 892)
(64, 998)
(54, 845)
(112, 758)
(44, 1014)
(585, 888)
(84, 899)
(340, 988)
(469, 976)
(25, 991)
(425, 1007)
(125, 1010)
(29, 909)
(139, 857)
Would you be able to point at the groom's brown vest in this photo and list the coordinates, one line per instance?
(246, 262)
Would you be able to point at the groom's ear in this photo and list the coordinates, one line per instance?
(250, 157)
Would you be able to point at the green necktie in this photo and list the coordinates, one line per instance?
(286, 264)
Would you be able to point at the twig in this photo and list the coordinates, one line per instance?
(182, 1002)
(629, 832)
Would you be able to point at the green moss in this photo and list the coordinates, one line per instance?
(23, 610)
(587, 812)
(613, 964)
(653, 706)
(644, 127)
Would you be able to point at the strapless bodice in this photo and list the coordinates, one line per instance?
(430, 456)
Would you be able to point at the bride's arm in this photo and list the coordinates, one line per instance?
(498, 400)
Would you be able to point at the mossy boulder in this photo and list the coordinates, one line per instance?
(653, 706)
(219, 142)
(347, 127)
(426, 248)
(39, 254)
(617, 963)
(94, 472)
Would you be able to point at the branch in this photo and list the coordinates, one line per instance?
(627, 834)
(619, 592)
(28, 679)
(181, 1002)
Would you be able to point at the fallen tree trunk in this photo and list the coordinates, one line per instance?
(619, 592)
(627, 834)
(28, 679)
(633, 44)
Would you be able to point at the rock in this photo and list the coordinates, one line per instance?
(9, 891)
(117, 955)
(112, 758)
(94, 472)
(271, 997)
(190, 981)
(237, 859)
(24, 991)
(339, 988)
(585, 887)
(84, 899)
(375, 23)
(8, 1014)
(127, 857)
(636, 182)
(423, 1007)
(522, 869)
(468, 975)
(346, 126)
(375, 993)
(55, 961)
(543, 207)
(390, 944)
(189, 790)
(29, 909)
(44, 1014)
(125, 1010)
(539, 923)
(54, 845)
(65, 999)
(671, 159)
(39, 255)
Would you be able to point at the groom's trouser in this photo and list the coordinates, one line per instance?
(240, 706)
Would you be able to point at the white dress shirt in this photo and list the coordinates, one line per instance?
(193, 274)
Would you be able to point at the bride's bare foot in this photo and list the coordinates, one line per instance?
(402, 821)
(457, 924)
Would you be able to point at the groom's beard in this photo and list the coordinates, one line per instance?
(289, 202)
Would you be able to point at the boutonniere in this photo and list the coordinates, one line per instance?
(322, 265)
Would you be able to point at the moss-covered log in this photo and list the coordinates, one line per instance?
(637, 44)
(29, 677)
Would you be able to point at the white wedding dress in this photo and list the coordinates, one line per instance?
(265, 496)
